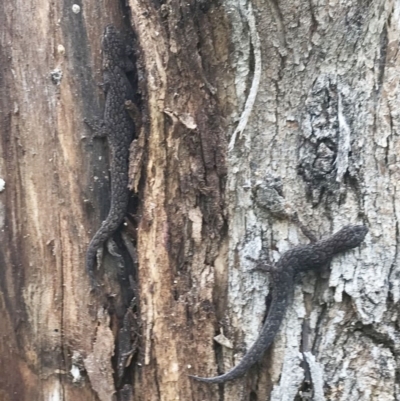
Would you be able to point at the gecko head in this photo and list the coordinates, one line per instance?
(349, 237)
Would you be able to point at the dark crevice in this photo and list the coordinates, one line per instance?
(382, 60)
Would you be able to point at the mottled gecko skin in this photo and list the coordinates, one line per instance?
(117, 126)
(300, 258)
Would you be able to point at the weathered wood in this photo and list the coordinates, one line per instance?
(180, 234)
(250, 113)
(50, 69)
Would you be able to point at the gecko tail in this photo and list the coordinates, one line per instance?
(252, 356)
(265, 338)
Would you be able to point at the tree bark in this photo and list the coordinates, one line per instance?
(250, 114)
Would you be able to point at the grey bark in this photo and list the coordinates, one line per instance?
(253, 112)
(320, 141)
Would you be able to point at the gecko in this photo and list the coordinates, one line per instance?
(118, 127)
(298, 259)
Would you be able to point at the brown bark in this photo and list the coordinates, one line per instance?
(56, 337)
(249, 112)
(183, 210)
(51, 205)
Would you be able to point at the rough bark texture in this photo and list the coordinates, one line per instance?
(249, 114)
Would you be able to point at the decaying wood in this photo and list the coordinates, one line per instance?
(250, 114)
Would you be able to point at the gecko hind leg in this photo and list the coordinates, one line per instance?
(97, 126)
(304, 229)
(113, 250)
(99, 257)
(264, 266)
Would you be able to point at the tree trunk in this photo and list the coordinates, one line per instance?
(250, 115)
